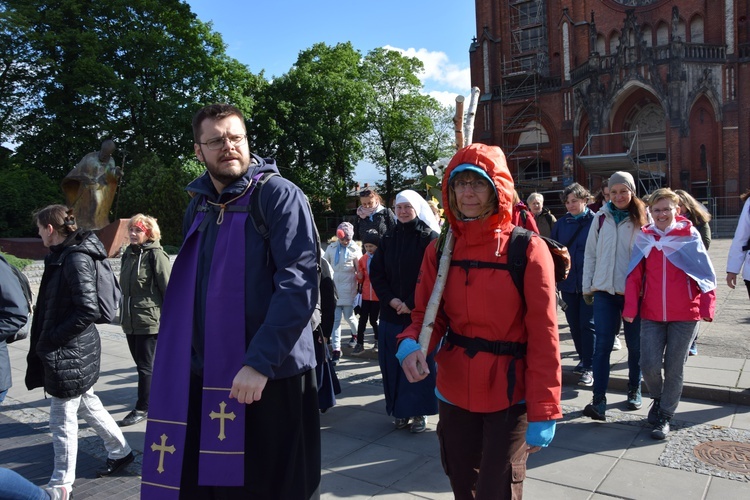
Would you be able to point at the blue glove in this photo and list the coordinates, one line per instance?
(406, 347)
(540, 433)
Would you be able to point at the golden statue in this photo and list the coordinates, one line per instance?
(91, 186)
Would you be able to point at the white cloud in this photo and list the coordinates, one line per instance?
(446, 97)
(438, 69)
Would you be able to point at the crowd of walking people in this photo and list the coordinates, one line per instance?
(461, 295)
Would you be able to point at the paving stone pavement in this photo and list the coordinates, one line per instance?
(363, 456)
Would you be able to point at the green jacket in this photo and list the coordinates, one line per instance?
(144, 275)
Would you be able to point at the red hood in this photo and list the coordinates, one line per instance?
(491, 159)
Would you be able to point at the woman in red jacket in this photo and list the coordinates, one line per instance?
(498, 376)
(672, 281)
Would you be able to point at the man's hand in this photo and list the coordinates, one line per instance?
(395, 303)
(732, 279)
(588, 299)
(403, 309)
(415, 366)
(627, 320)
(248, 385)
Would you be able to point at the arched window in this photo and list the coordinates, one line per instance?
(662, 34)
(647, 36)
(601, 45)
(614, 42)
(696, 30)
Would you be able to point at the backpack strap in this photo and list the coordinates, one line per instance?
(519, 242)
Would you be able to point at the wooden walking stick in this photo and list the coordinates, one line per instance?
(433, 305)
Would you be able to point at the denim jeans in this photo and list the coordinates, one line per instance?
(669, 341)
(63, 424)
(607, 319)
(348, 313)
(580, 318)
(14, 486)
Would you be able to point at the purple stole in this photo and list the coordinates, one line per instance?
(222, 441)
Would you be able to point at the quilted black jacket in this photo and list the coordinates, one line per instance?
(65, 349)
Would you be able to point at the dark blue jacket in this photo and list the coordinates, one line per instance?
(281, 286)
(563, 231)
(13, 315)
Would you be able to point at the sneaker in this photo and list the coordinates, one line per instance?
(353, 342)
(358, 349)
(56, 493)
(401, 423)
(579, 369)
(634, 397)
(597, 409)
(113, 466)
(661, 428)
(653, 412)
(375, 347)
(587, 379)
(617, 345)
(133, 418)
(335, 357)
(693, 349)
(419, 424)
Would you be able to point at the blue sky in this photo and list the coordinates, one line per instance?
(269, 36)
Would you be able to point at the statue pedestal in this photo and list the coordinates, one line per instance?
(114, 236)
(24, 248)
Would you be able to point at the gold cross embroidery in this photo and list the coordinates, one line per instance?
(161, 449)
(222, 417)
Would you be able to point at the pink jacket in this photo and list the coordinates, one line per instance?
(664, 292)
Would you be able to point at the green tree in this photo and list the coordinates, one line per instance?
(408, 130)
(167, 181)
(23, 190)
(131, 70)
(313, 118)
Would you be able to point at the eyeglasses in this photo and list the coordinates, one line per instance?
(658, 211)
(218, 142)
(478, 186)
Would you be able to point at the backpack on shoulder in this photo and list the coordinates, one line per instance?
(108, 292)
(516, 265)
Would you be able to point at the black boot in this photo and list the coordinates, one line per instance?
(661, 429)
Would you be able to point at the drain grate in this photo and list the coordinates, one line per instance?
(729, 455)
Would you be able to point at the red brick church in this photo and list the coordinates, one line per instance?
(573, 90)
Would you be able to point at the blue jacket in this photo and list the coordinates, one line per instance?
(281, 280)
(563, 231)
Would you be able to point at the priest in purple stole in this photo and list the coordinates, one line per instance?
(234, 406)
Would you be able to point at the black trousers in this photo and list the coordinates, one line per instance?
(282, 444)
(143, 348)
(370, 311)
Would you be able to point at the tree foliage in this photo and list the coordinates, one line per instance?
(407, 128)
(314, 119)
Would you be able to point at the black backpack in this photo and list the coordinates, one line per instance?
(516, 265)
(108, 292)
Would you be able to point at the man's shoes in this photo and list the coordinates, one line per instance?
(653, 412)
(358, 349)
(634, 397)
(335, 357)
(115, 465)
(617, 345)
(133, 418)
(401, 423)
(57, 493)
(661, 429)
(418, 424)
(587, 379)
(597, 409)
(353, 342)
(579, 369)
(693, 349)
